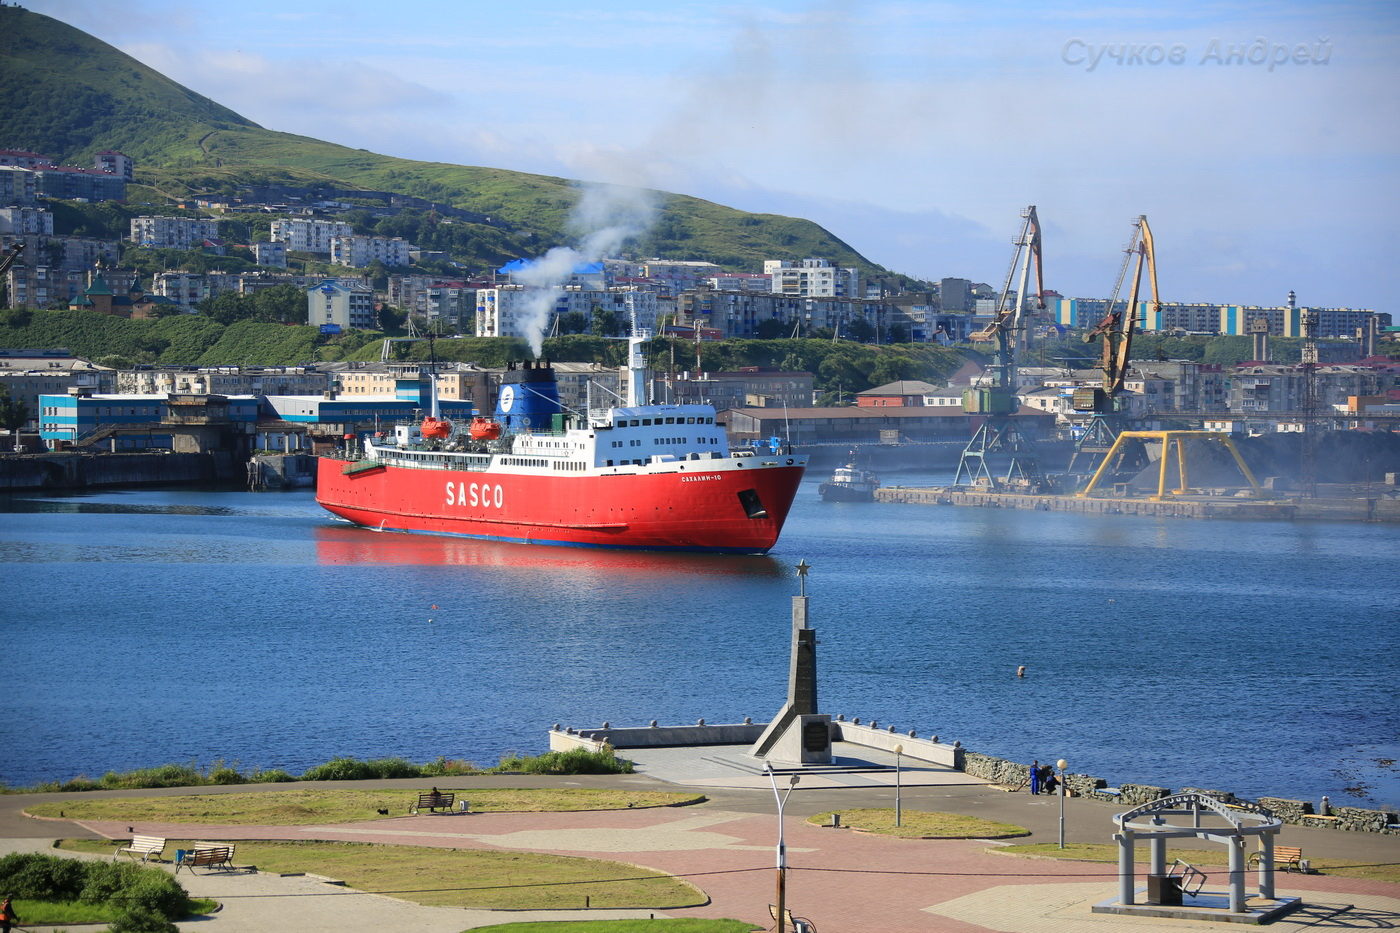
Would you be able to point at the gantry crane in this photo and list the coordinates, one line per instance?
(1116, 330)
(999, 436)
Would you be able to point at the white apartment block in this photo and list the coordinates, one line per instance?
(335, 304)
(309, 236)
(359, 251)
(812, 278)
(172, 232)
(267, 253)
(17, 185)
(117, 163)
(23, 221)
(739, 314)
(184, 288)
(501, 312)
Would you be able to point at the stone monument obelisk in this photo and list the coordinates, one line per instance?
(798, 733)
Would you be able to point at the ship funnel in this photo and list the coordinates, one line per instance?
(529, 397)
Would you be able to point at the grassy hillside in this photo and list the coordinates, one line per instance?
(67, 94)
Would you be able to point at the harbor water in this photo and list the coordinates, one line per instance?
(146, 627)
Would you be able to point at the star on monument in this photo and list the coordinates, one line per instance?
(802, 568)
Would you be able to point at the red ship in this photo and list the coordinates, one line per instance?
(658, 477)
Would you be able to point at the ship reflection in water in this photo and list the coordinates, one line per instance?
(345, 544)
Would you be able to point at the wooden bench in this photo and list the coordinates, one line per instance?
(432, 802)
(209, 856)
(791, 923)
(1285, 856)
(144, 846)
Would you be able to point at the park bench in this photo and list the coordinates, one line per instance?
(144, 846)
(791, 923)
(1287, 857)
(207, 856)
(433, 802)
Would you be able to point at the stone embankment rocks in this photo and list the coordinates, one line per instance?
(1299, 812)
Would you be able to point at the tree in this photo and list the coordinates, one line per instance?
(572, 322)
(14, 414)
(605, 322)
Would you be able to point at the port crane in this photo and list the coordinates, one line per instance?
(999, 435)
(1115, 331)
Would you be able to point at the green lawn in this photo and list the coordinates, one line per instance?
(488, 879)
(922, 824)
(1212, 857)
(622, 926)
(303, 806)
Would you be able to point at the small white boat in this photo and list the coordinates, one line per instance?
(850, 484)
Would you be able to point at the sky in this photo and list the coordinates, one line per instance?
(1259, 138)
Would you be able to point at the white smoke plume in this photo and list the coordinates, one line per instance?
(605, 217)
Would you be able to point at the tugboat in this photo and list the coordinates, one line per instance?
(850, 484)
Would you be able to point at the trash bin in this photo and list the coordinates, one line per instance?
(1164, 890)
(463, 806)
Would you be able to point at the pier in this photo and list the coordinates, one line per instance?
(1372, 508)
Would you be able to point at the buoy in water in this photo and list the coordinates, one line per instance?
(1021, 671)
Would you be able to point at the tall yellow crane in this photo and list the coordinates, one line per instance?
(1115, 330)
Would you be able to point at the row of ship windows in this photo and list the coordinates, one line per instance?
(647, 422)
(668, 440)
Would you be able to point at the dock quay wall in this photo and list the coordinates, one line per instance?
(1368, 509)
(1004, 773)
(86, 470)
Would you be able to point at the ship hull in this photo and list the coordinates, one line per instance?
(684, 510)
(840, 492)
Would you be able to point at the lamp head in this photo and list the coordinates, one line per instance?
(1062, 764)
(792, 782)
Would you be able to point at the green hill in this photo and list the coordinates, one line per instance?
(69, 95)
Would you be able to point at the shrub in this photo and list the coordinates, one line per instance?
(106, 881)
(42, 877)
(272, 776)
(157, 892)
(168, 775)
(141, 920)
(573, 761)
(445, 766)
(226, 776)
(353, 769)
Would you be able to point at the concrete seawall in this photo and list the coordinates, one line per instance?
(1371, 509)
(73, 470)
(1001, 772)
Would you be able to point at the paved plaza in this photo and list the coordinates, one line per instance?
(846, 882)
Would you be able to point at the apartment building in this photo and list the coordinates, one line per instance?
(359, 251)
(172, 232)
(268, 253)
(17, 185)
(812, 278)
(114, 163)
(334, 305)
(503, 311)
(26, 221)
(309, 236)
(1224, 319)
(740, 314)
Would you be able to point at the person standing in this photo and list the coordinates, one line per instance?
(7, 915)
(1035, 777)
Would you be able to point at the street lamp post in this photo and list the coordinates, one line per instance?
(782, 849)
(1062, 765)
(898, 789)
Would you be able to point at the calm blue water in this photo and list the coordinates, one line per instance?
(154, 626)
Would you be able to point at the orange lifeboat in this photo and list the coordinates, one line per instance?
(436, 427)
(484, 429)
